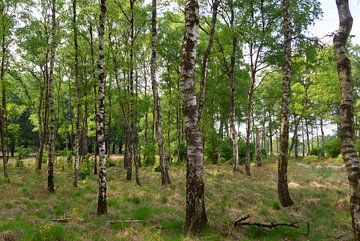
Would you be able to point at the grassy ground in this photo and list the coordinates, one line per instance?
(154, 212)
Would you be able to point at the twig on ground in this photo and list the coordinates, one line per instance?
(241, 222)
(124, 221)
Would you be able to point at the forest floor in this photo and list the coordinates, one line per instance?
(153, 212)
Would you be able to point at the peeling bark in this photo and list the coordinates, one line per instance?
(195, 199)
(283, 190)
(52, 129)
(347, 130)
(100, 115)
(78, 106)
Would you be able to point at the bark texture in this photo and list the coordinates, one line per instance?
(100, 115)
(165, 179)
(233, 132)
(283, 190)
(347, 131)
(78, 106)
(195, 199)
(52, 130)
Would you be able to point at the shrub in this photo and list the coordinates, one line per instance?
(149, 151)
(316, 151)
(85, 169)
(310, 158)
(226, 150)
(276, 205)
(110, 163)
(332, 146)
(83, 173)
(182, 152)
(22, 154)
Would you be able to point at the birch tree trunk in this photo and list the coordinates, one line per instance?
(78, 106)
(258, 148)
(165, 179)
(94, 90)
(233, 132)
(100, 115)
(3, 123)
(206, 56)
(347, 130)
(283, 190)
(195, 199)
(322, 137)
(52, 130)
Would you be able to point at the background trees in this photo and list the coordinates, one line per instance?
(223, 100)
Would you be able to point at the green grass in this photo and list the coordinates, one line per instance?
(154, 212)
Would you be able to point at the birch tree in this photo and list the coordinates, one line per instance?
(195, 199)
(283, 190)
(165, 179)
(347, 131)
(52, 132)
(100, 115)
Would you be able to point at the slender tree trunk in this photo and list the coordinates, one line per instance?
(78, 105)
(258, 148)
(137, 148)
(248, 124)
(283, 190)
(307, 136)
(206, 56)
(178, 123)
(95, 92)
(100, 115)
(146, 127)
(3, 121)
(52, 132)
(322, 137)
(195, 198)
(108, 135)
(165, 179)
(303, 138)
(131, 152)
(347, 133)
(44, 134)
(271, 136)
(169, 158)
(39, 156)
(233, 133)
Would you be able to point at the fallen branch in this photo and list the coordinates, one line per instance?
(59, 220)
(124, 221)
(241, 222)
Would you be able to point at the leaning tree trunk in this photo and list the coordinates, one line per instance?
(283, 190)
(100, 115)
(78, 106)
(195, 198)
(165, 179)
(347, 132)
(206, 56)
(52, 130)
